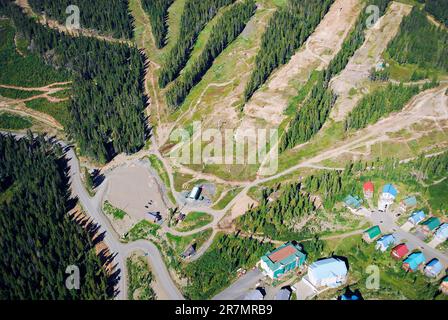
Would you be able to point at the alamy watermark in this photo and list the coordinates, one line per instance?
(248, 146)
(73, 280)
(73, 20)
(374, 16)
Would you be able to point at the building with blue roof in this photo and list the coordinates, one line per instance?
(330, 272)
(390, 189)
(417, 217)
(408, 203)
(350, 295)
(442, 232)
(285, 258)
(385, 242)
(353, 202)
(387, 197)
(414, 261)
(433, 268)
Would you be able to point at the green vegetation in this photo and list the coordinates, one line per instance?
(227, 198)
(302, 94)
(287, 30)
(420, 42)
(278, 219)
(287, 212)
(395, 282)
(437, 8)
(27, 71)
(157, 165)
(196, 14)
(10, 121)
(109, 209)
(109, 17)
(58, 110)
(312, 115)
(180, 243)
(139, 279)
(158, 14)
(194, 220)
(37, 233)
(88, 179)
(217, 267)
(18, 94)
(106, 108)
(226, 29)
(142, 230)
(437, 197)
(381, 103)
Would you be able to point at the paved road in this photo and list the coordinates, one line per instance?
(241, 286)
(388, 225)
(92, 207)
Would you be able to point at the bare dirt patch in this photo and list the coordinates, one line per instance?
(270, 102)
(356, 73)
(133, 189)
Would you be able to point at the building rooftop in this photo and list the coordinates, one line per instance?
(442, 231)
(415, 259)
(328, 268)
(373, 232)
(434, 266)
(388, 188)
(368, 186)
(353, 202)
(401, 250)
(410, 201)
(417, 217)
(432, 223)
(283, 294)
(283, 255)
(387, 240)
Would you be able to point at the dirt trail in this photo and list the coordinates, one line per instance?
(356, 73)
(20, 109)
(61, 28)
(18, 106)
(270, 102)
(47, 92)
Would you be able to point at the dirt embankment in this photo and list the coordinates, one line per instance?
(270, 101)
(351, 83)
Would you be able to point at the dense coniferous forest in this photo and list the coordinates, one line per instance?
(109, 17)
(217, 267)
(106, 108)
(437, 8)
(420, 42)
(38, 239)
(287, 30)
(277, 219)
(311, 116)
(197, 13)
(381, 103)
(227, 28)
(158, 14)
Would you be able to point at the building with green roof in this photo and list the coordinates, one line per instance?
(371, 234)
(431, 224)
(285, 258)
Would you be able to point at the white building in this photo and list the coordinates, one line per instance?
(387, 197)
(331, 272)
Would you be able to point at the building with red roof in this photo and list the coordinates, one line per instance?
(368, 189)
(400, 251)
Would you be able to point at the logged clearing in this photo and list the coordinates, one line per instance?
(354, 77)
(133, 189)
(326, 41)
(61, 28)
